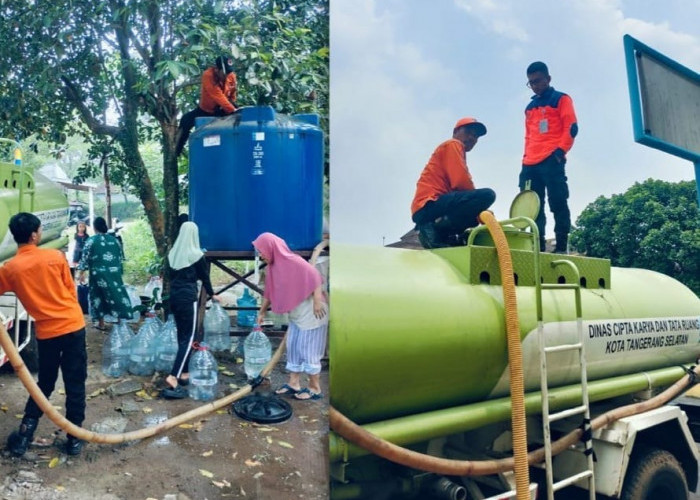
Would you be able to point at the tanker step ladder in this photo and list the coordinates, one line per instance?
(583, 409)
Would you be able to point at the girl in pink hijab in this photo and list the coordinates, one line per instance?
(294, 286)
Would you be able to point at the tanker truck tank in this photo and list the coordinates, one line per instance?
(418, 331)
(23, 189)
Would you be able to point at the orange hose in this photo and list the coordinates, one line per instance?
(28, 381)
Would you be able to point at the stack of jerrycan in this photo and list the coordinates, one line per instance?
(115, 350)
(142, 354)
(257, 352)
(204, 375)
(246, 317)
(166, 345)
(217, 326)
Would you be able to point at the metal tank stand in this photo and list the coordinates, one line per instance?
(220, 259)
(584, 407)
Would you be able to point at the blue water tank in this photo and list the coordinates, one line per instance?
(256, 171)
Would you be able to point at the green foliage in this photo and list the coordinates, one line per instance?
(653, 225)
(142, 260)
(118, 74)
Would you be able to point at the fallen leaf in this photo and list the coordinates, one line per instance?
(62, 392)
(96, 393)
(258, 474)
(60, 488)
(303, 417)
(146, 409)
(221, 367)
(239, 361)
(310, 433)
(218, 484)
(267, 429)
(206, 473)
(233, 386)
(234, 455)
(268, 439)
(143, 394)
(4, 408)
(285, 444)
(226, 483)
(185, 426)
(57, 408)
(252, 463)
(207, 453)
(242, 491)
(228, 373)
(54, 462)
(19, 415)
(221, 412)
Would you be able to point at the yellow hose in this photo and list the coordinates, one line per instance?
(94, 437)
(515, 356)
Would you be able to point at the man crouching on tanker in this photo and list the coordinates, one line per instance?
(446, 202)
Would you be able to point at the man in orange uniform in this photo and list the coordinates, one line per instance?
(446, 202)
(550, 129)
(217, 97)
(42, 281)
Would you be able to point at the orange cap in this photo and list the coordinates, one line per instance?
(478, 126)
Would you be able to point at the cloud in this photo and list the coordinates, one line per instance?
(497, 17)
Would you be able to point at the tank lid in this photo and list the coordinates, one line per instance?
(263, 408)
(310, 118)
(256, 114)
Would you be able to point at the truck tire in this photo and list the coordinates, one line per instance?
(654, 473)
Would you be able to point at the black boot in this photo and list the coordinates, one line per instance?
(429, 236)
(74, 445)
(19, 441)
(562, 244)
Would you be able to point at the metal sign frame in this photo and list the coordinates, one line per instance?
(633, 49)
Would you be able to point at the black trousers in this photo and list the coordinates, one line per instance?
(461, 209)
(187, 123)
(185, 314)
(68, 353)
(550, 176)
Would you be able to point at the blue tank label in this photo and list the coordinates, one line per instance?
(258, 155)
(211, 140)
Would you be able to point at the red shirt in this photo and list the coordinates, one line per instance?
(41, 279)
(214, 92)
(445, 172)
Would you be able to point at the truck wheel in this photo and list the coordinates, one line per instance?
(654, 474)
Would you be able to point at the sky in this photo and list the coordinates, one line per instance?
(404, 71)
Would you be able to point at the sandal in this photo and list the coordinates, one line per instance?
(287, 390)
(306, 395)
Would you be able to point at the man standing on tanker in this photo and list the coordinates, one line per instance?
(446, 202)
(217, 98)
(550, 129)
(42, 281)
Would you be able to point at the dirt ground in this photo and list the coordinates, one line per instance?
(217, 456)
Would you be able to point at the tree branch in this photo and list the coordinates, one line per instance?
(73, 96)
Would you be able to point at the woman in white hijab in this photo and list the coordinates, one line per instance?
(187, 265)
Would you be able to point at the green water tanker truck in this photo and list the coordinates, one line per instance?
(420, 365)
(24, 190)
